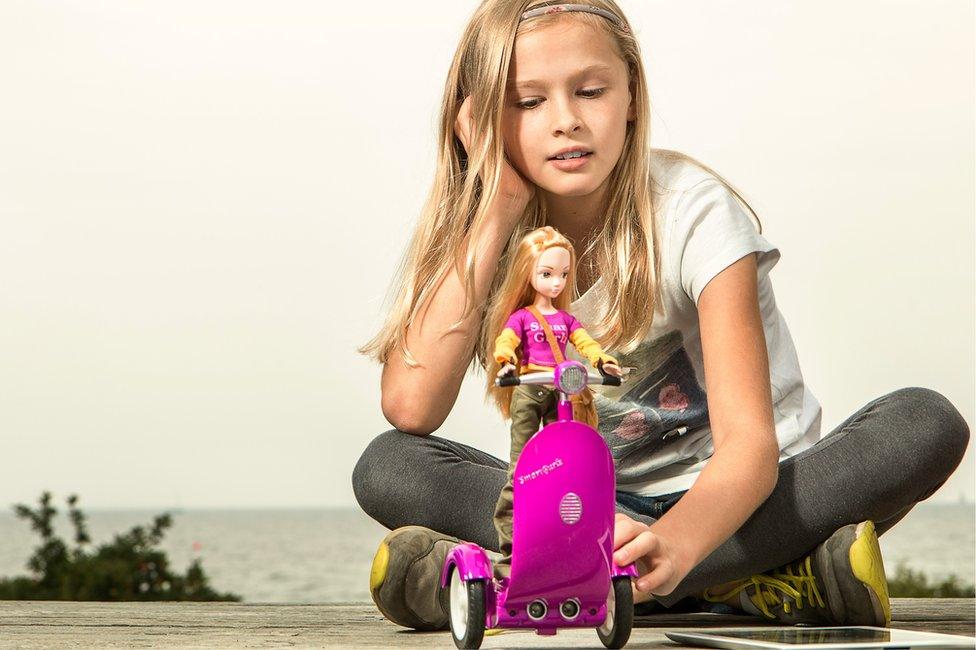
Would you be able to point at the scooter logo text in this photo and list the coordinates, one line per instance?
(542, 471)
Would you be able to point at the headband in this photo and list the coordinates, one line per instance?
(551, 8)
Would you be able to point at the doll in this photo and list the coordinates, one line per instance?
(541, 279)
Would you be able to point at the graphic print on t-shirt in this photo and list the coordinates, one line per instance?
(661, 404)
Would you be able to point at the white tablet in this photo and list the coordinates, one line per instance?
(817, 638)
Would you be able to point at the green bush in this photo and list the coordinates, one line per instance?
(130, 567)
(908, 583)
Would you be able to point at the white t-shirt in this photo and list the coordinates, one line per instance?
(656, 423)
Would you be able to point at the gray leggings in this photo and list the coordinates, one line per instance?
(877, 464)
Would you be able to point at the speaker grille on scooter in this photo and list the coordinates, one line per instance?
(570, 508)
(572, 380)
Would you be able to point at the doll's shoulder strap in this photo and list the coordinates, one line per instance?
(550, 337)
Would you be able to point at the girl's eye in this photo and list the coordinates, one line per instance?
(545, 274)
(565, 275)
(589, 94)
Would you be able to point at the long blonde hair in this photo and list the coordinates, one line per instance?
(626, 248)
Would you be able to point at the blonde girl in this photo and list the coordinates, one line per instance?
(728, 493)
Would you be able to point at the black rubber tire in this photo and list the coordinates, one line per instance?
(623, 614)
(475, 627)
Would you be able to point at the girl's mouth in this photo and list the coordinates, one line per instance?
(570, 164)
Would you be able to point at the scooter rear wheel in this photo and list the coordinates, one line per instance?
(467, 608)
(615, 630)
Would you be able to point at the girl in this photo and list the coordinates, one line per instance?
(537, 285)
(726, 490)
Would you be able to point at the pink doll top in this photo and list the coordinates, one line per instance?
(535, 347)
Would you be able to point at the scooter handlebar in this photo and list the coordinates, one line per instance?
(547, 378)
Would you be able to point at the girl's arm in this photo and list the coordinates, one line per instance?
(744, 467)
(417, 400)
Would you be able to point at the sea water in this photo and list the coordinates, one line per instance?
(323, 556)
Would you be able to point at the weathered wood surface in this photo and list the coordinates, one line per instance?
(45, 624)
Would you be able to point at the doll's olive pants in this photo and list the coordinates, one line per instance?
(531, 408)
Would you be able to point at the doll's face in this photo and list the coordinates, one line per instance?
(567, 87)
(551, 272)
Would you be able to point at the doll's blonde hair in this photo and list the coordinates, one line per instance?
(626, 248)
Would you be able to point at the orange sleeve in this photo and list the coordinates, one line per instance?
(505, 346)
(589, 348)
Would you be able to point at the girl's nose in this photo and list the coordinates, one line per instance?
(565, 119)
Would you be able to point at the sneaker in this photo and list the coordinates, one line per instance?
(404, 579)
(842, 582)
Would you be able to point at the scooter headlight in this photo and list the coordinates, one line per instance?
(571, 379)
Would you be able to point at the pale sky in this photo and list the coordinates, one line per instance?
(202, 204)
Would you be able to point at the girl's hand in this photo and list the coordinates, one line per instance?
(507, 369)
(613, 369)
(515, 192)
(660, 567)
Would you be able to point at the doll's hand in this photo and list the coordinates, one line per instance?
(507, 369)
(514, 192)
(612, 369)
(660, 568)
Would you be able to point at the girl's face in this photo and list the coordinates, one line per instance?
(566, 88)
(551, 272)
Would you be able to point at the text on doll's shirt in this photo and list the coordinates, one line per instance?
(535, 348)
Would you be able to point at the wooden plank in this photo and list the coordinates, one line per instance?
(43, 624)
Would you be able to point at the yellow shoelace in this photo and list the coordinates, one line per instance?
(801, 576)
(794, 582)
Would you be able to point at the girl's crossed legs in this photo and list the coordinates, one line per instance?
(877, 464)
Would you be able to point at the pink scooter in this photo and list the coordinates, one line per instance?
(562, 572)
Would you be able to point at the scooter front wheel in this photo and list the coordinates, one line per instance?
(615, 630)
(467, 599)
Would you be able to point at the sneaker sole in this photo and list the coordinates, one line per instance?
(868, 567)
(377, 571)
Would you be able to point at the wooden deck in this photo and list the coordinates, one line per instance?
(45, 624)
